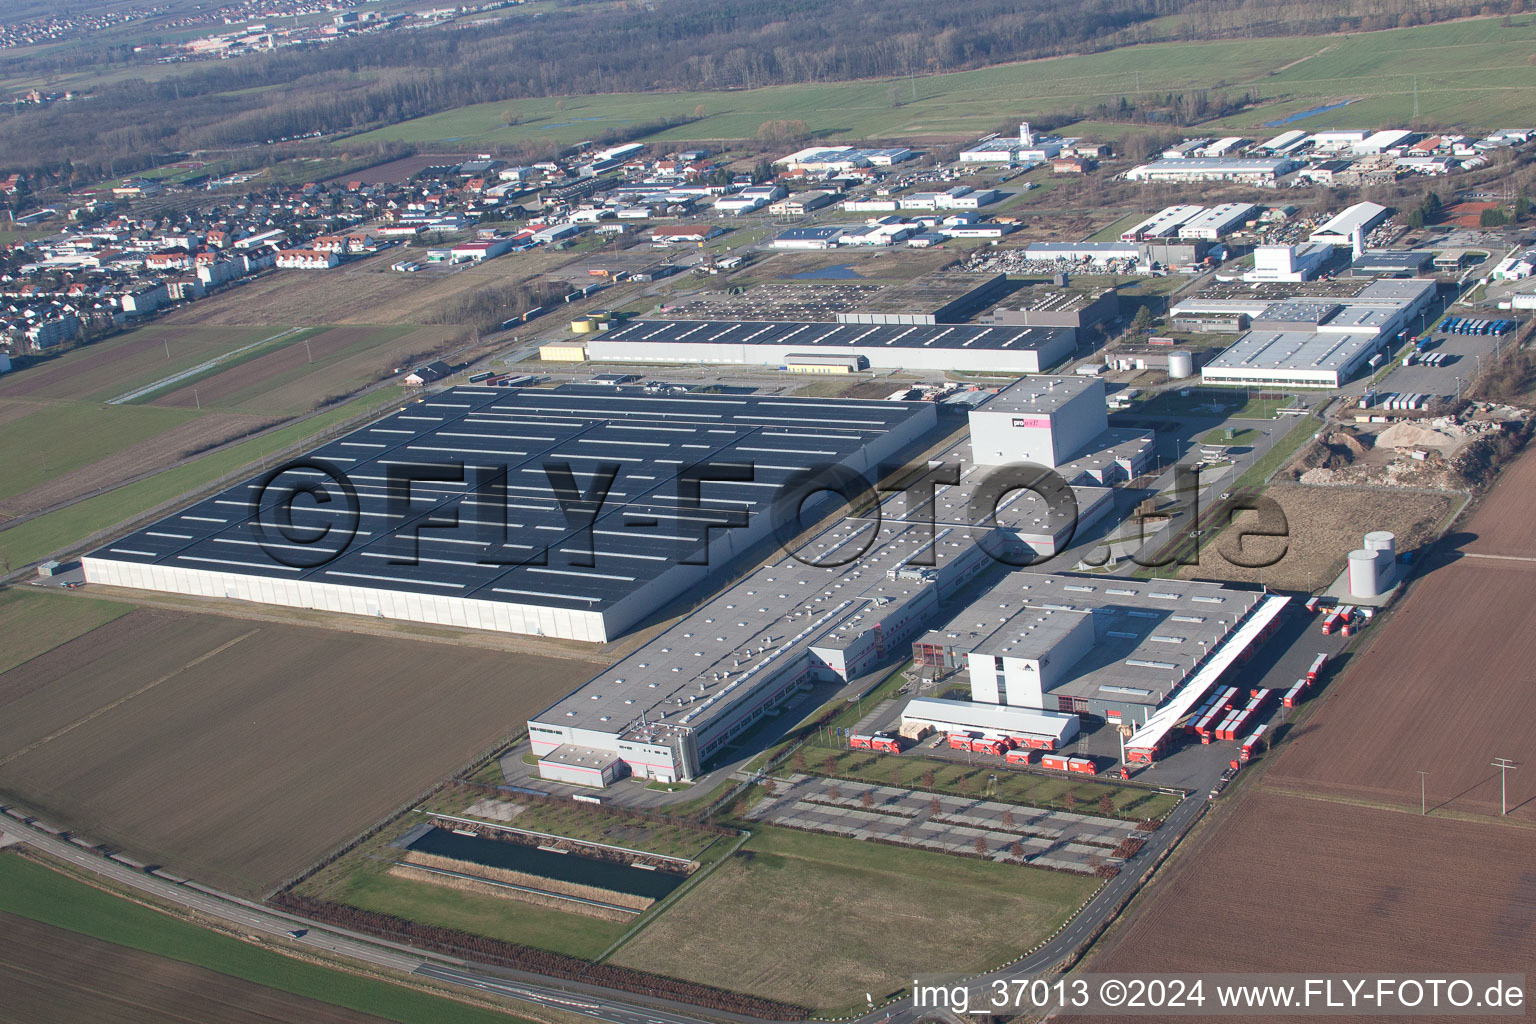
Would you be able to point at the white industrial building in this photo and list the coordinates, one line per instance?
(836, 159)
(1114, 648)
(1043, 420)
(1315, 342)
(1161, 224)
(1292, 263)
(1341, 228)
(1217, 222)
(1253, 171)
(1027, 149)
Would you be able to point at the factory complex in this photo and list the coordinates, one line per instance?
(1112, 648)
(836, 607)
(1309, 342)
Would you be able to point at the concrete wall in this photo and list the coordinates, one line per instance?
(385, 604)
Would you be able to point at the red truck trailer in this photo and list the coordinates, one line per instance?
(1054, 761)
(859, 741)
(1293, 695)
(886, 743)
(997, 747)
(1311, 604)
(1082, 766)
(1317, 667)
(1330, 622)
(1249, 743)
(1023, 755)
(959, 741)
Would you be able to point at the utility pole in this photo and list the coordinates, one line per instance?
(1503, 764)
(1423, 800)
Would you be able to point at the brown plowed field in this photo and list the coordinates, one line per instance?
(240, 752)
(1446, 687)
(1290, 884)
(1502, 524)
(49, 974)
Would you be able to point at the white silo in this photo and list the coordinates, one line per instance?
(1181, 363)
(1383, 545)
(1363, 573)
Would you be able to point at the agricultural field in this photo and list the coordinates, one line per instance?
(1292, 884)
(147, 966)
(296, 378)
(100, 416)
(1290, 75)
(820, 920)
(35, 621)
(1324, 525)
(88, 516)
(240, 752)
(364, 291)
(43, 968)
(1444, 687)
(1502, 523)
(117, 366)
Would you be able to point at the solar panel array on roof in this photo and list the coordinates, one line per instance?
(508, 501)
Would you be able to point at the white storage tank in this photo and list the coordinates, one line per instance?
(1381, 540)
(1362, 574)
(1181, 364)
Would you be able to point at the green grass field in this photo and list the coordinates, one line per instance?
(44, 535)
(33, 891)
(58, 438)
(1472, 73)
(370, 887)
(820, 921)
(36, 621)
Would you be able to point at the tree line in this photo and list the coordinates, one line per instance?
(593, 48)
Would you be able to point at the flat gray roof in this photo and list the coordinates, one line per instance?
(1293, 350)
(644, 526)
(812, 336)
(1039, 394)
(1148, 634)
